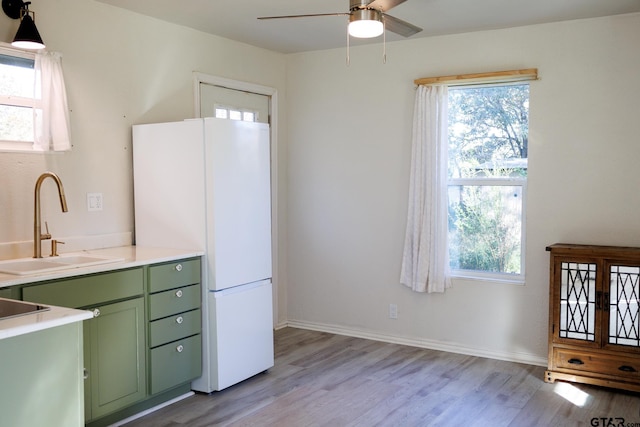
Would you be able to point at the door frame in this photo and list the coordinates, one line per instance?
(272, 93)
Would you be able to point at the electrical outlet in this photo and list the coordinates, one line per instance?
(94, 202)
(393, 311)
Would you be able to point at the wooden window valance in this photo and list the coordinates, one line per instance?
(478, 78)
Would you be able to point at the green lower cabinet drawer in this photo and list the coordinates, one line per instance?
(6, 293)
(88, 290)
(174, 274)
(174, 327)
(166, 303)
(176, 363)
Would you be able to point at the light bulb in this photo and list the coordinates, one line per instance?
(366, 28)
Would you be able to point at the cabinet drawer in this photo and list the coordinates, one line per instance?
(174, 327)
(175, 301)
(88, 290)
(176, 363)
(5, 293)
(174, 274)
(608, 364)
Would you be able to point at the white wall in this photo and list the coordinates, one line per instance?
(349, 154)
(120, 69)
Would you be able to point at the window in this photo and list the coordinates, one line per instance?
(235, 114)
(34, 115)
(487, 176)
(17, 99)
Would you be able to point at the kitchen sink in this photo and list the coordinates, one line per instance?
(26, 266)
(11, 308)
(82, 259)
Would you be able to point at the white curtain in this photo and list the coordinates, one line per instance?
(425, 262)
(52, 130)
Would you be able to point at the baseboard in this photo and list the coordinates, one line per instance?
(153, 409)
(281, 325)
(526, 358)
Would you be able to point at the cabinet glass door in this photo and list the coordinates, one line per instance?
(578, 300)
(622, 298)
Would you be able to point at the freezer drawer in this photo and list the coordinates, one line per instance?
(242, 318)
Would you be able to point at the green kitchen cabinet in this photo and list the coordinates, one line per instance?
(114, 340)
(115, 374)
(11, 293)
(176, 363)
(143, 346)
(88, 291)
(35, 394)
(175, 324)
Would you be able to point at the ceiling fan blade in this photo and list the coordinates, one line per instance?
(399, 26)
(384, 5)
(303, 16)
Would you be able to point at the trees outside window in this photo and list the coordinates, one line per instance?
(487, 171)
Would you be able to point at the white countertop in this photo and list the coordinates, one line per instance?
(133, 256)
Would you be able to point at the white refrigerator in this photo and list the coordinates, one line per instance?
(205, 184)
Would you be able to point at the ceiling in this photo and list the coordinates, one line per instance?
(236, 19)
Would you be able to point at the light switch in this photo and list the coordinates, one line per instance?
(94, 202)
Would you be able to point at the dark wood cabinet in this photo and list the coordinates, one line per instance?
(594, 320)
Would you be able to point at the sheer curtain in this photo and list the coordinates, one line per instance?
(52, 130)
(425, 261)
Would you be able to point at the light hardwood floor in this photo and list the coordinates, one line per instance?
(321, 379)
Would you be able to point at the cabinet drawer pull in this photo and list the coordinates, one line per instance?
(179, 320)
(179, 293)
(179, 267)
(96, 312)
(575, 361)
(180, 348)
(627, 368)
(85, 373)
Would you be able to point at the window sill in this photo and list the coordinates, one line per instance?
(30, 150)
(489, 278)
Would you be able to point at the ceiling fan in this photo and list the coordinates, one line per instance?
(368, 18)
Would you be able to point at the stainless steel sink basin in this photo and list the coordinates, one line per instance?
(26, 266)
(11, 308)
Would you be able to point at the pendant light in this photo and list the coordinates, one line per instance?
(27, 36)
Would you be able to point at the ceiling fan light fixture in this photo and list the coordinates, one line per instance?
(365, 23)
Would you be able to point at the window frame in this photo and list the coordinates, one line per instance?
(479, 275)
